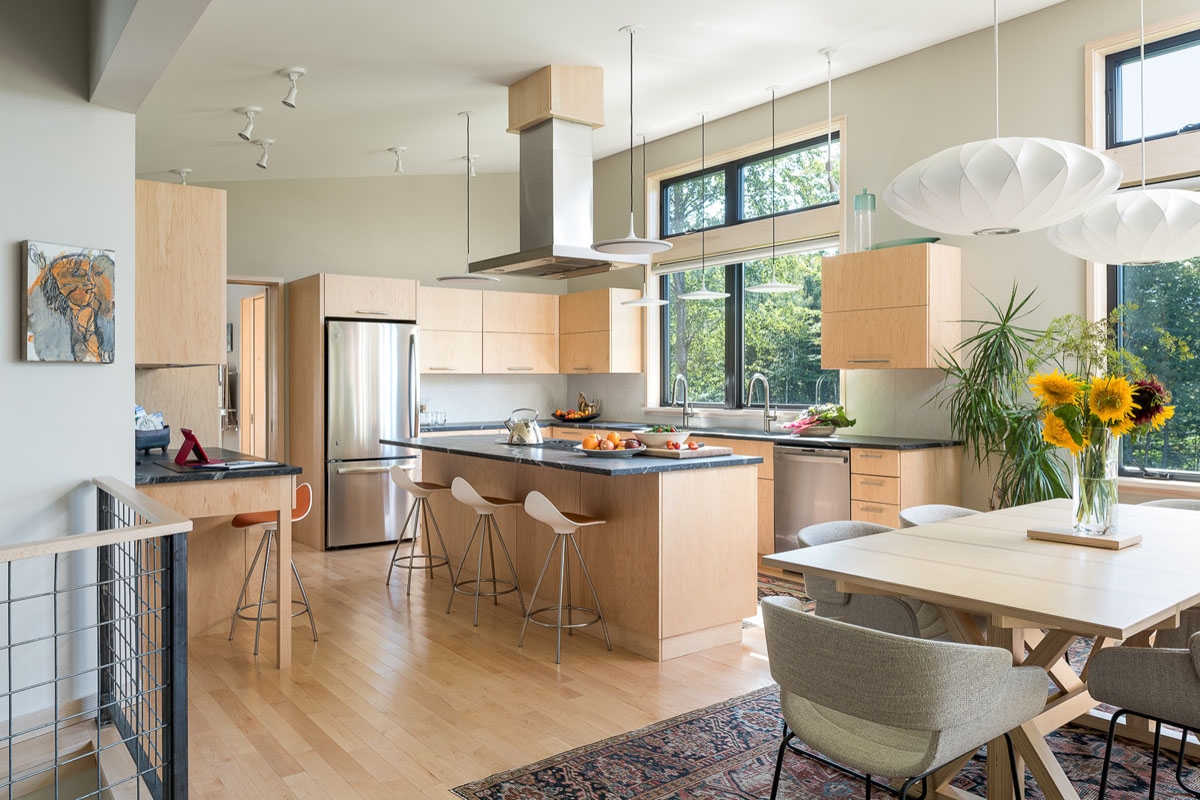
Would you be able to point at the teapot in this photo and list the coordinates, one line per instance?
(523, 429)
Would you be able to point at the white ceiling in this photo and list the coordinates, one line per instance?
(390, 72)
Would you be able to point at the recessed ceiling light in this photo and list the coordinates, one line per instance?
(293, 74)
(249, 111)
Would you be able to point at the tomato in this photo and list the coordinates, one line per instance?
(693, 446)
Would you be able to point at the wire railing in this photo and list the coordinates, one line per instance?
(94, 656)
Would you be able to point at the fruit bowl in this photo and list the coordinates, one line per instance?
(612, 453)
(577, 418)
(652, 439)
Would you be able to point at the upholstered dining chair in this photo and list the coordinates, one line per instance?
(1160, 684)
(905, 616)
(893, 706)
(1174, 502)
(913, 516)
(1189, 620)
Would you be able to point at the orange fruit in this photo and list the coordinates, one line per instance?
(614, 437)
(591, 443)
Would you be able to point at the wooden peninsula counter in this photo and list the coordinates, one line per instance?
(675, 563)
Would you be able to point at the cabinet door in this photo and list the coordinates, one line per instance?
(516, 353)
(897, 276)
(585, 312)
(441, 309)
(766, 516)
(583, 352)
(520, 312)
(451, 352)
(878, 338)
(180, 268)
(357, 296)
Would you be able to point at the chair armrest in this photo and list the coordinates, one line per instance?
(1154, 682)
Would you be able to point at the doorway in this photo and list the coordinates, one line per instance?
(250, 389)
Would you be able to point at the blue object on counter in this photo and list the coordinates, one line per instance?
(145, 441)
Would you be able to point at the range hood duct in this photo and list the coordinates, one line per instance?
(556, 208)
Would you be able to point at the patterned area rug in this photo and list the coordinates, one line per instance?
(727, 752)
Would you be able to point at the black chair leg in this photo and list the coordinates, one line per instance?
(1112, 732)
(1179, 766)
(787, 737)
(1154, 762)
(1017, 780)
(868, 782)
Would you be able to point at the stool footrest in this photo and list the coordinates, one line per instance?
(254, 617)
(459, 587)
(577, 609)
(409, 562)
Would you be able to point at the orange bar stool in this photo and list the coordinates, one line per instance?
(269, 524)
(421, 510)
(485, 508)
(565, 526)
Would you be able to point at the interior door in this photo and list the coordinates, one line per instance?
(252, 385)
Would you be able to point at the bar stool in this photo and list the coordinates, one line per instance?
(564, 525)
(485, 508)
(420, 510)
(269, 524)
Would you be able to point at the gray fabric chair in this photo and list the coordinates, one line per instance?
(904, 616)
(1152, 682)
(935, 512)
(1172, 502)
(1189, 621)
(890, 705)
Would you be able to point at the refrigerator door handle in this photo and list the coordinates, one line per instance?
(414, 421)
(366, 470)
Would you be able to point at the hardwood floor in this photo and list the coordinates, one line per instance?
(399, 700)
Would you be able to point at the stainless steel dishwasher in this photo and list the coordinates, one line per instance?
(811, 485)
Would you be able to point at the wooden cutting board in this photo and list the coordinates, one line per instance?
(1066, 534)
(703, 452)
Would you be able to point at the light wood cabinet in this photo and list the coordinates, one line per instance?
(451, 352)
(442, 309)
(598, 333)
(882, 482)
(362, 297)
(180, 244)
(896, 308)
(520, 312)
(519, 353)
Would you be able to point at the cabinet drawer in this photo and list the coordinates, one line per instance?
(370, 298)
(574, 434)
(585, 312)
(878, 338)
(875, 489)
(520, 312)
(879, 513)
(442, 309)
(865, 461)
(897, 276)
(766, 516)
(517, 353)
(583, 352)
(451, 352)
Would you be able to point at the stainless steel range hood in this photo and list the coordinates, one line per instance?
(556, 207)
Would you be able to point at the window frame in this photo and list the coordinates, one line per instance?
(733, 187)
(1112, 64)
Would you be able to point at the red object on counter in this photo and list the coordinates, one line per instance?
(192, 445)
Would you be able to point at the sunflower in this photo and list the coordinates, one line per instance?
(1162, 416)
(1111, 399)
(1054, 388)
(1124, 426)
(1055, 432)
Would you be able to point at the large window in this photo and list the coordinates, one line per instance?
(1172, 99)
(719, 344)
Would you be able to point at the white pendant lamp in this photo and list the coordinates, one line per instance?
(1139, 226)
(703, 293)
(1002, 185)
(468, 279)
(631, 244)
(773, 286)
(645, 301)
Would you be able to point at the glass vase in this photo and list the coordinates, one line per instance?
(1094, 485)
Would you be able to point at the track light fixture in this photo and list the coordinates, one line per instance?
(398, 152)
(470, 164)
(182, 172)
(250, 112)
(264, 144)
(293, 74)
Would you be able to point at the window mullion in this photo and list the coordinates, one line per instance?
(733, 336)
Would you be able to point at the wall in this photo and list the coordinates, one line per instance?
(902, 111)
(68, 172)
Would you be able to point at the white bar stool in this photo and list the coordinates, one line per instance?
(420, 510)
(564, 525)
(485, 507)
(270, 524)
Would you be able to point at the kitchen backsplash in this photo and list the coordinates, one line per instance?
(480, 398)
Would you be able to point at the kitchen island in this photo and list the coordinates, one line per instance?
(674, 563)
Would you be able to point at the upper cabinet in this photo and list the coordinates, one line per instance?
(598, 334)
(451, 323)
(896, 308)
(180, 284)
(520, 333)
(361, 297)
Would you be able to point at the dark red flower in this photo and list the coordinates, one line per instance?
(1149, 396)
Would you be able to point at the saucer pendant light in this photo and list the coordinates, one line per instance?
(645, 300)
(1002, 185)
(1139, 226)
(468, 279)
(703, 293)
(773, 286)
(631, 244)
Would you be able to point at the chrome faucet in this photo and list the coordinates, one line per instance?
(820, 380)
(768, 415)
(687, 410)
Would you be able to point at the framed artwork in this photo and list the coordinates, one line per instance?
(68, 303)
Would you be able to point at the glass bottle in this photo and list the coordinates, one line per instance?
(864, 216)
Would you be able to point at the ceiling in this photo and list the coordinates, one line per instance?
(384, 73)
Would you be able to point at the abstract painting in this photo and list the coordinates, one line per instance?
(69, 303)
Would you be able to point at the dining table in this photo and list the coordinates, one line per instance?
(993, 585)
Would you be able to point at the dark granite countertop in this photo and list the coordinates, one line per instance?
(841, 441)
(490, 447)
(152, 468)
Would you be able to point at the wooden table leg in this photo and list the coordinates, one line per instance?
(1043, 764)
(283, 573)
(999, 778)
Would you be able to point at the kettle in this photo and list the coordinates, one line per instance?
(523, 430)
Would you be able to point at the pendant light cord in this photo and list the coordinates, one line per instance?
(703, 209)
(468, 174)
(829, 108)
(631, 127)
(996, 57)
(645, 285)
(773, 187)
(1142, 80)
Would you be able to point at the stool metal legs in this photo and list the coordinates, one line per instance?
(420, 511)
(491, 531)
(268, 538)
(564, 583)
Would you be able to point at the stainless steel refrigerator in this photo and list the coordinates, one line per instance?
(371, 380)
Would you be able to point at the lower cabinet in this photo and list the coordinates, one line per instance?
(882, 482)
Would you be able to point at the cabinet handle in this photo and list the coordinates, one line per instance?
(869, 361)
(520, 369)
(871, 483)
(441, 369)
(582, 369)
(869, 455)
(379, 313)
(872, 509)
